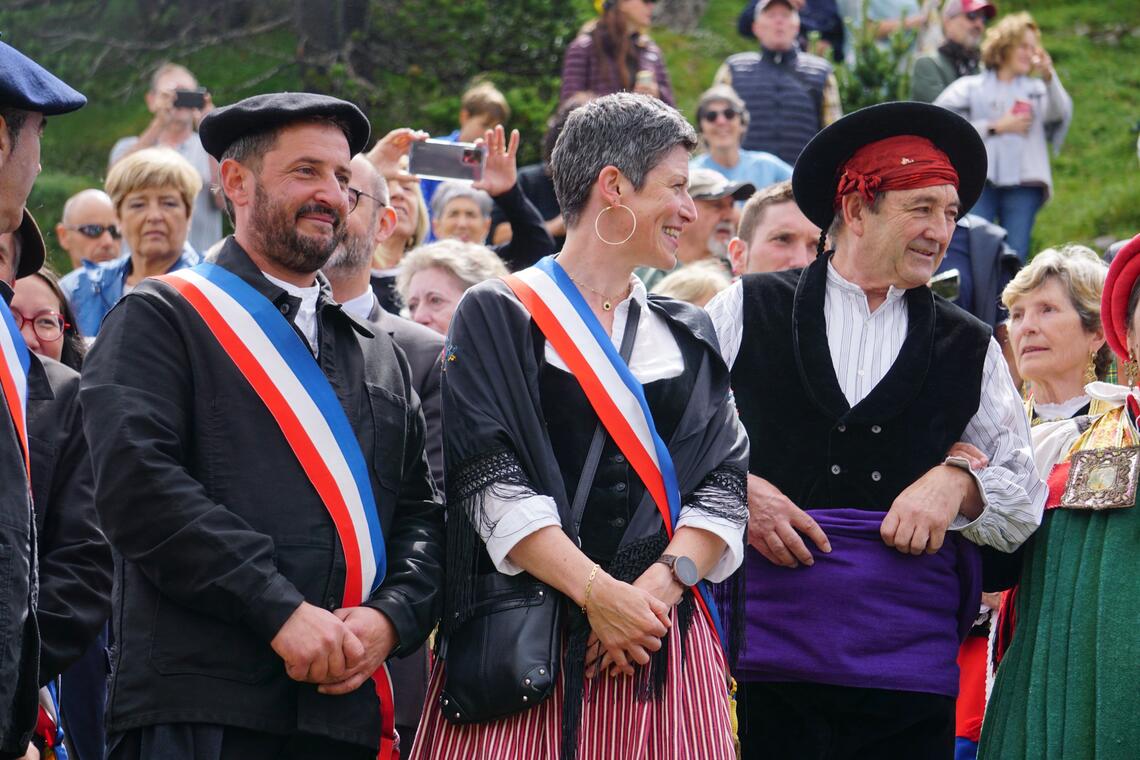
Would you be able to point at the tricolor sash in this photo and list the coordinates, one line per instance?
(15, 359)
(283, 372)
(615, 394)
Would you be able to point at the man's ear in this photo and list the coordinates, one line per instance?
(737, 256)
(236, 182)
(6, 141)
(855, 211)
(385, 226)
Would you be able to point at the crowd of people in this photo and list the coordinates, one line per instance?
(761, 435)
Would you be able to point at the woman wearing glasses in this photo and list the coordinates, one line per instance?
(46, 320)
(722, 120)
(153, 191)
(614, 53)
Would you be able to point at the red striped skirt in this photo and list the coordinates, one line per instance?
(690, 721)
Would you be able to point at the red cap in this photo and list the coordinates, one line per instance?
(957, 7)
(1118, 284)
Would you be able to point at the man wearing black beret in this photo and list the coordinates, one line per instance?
(28, 93)
(890, 395)
(261, 472)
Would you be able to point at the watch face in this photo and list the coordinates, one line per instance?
(686, 571)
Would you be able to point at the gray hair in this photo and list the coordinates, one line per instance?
(630, 132)
(469, 262)
(449, 191)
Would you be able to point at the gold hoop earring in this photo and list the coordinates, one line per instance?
(602, 213)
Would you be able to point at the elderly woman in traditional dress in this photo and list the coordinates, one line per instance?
(1055, 331)
(1066, 685)
(561, 385)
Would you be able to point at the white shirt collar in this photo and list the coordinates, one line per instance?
(361, 305)
(836, 280)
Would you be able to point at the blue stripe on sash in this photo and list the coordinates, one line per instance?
(668, 472)
(304, 365)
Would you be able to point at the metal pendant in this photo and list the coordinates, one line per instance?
(606, 305)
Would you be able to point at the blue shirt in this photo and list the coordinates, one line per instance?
(755, 166)
(93, 289)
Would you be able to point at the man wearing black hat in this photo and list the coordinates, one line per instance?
(850, 650)
(28, 93)
(261, 472)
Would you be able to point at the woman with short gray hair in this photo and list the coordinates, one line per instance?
(577, 622)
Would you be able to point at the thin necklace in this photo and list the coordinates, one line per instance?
(607, 301)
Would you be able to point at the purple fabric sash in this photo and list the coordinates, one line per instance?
(864, 615)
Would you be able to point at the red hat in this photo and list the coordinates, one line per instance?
(957, 7)
(1118, 284)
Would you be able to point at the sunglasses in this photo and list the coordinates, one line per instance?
(95, 230)
(728, 113)
(977, 16)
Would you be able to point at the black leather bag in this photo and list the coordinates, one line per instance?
(505, 657)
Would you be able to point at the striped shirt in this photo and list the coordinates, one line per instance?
(865, 344)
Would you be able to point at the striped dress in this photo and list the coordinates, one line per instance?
(690, 721)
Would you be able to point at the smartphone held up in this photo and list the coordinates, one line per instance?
(443, 160)
(193, 99)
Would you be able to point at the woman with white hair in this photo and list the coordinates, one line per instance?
(432, 278)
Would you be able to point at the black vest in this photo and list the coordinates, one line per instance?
(784, 95)
(805, 439)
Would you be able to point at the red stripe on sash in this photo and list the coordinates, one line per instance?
(294, 431)
(612, 418)
(15, 410)
(615, 422)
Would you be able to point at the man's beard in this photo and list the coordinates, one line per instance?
(354, 253)
(275, 231)
(718, 249)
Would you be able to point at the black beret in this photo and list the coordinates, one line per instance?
(31, 246)
(816, 174)
(223, 126)
(29, 86)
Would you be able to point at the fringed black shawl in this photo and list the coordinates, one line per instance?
(495, 436)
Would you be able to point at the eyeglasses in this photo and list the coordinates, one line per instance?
(355, 195)
(977, 15)
(47, 325)
(95, 230)
(728, 113)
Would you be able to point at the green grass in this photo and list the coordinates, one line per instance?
(1095, 46)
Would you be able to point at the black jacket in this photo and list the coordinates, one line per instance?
(19, 635)
(220, 536)
(75, 559)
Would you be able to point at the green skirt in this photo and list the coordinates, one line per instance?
(1069, 685)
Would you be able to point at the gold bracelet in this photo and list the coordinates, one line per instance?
(589, 585)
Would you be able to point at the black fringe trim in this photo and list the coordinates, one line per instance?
(467, 490)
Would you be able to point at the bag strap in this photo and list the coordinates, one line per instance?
(594, 455)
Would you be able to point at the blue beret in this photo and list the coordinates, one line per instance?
(260, 113)
(27, 85)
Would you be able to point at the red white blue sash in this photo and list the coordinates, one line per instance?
(15, 359)
(283, 372)
(616, 395)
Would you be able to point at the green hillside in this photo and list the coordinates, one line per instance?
(1094, 46)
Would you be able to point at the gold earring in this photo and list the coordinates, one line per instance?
(1130, 369)
(1090, 369)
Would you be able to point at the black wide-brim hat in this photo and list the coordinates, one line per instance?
(223, 126)
(817, 170)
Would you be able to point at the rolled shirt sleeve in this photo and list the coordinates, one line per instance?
(1013, 493)
(510, 514)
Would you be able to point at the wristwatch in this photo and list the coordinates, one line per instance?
(684, 569)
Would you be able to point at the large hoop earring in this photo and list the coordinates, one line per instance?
(602, 213)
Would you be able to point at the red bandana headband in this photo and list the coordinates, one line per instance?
(905, 162)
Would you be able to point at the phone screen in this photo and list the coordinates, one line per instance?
(439, 159)
(190, 98)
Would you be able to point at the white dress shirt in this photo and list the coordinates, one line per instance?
(306, 319)
(655, 356)
(864, 345)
